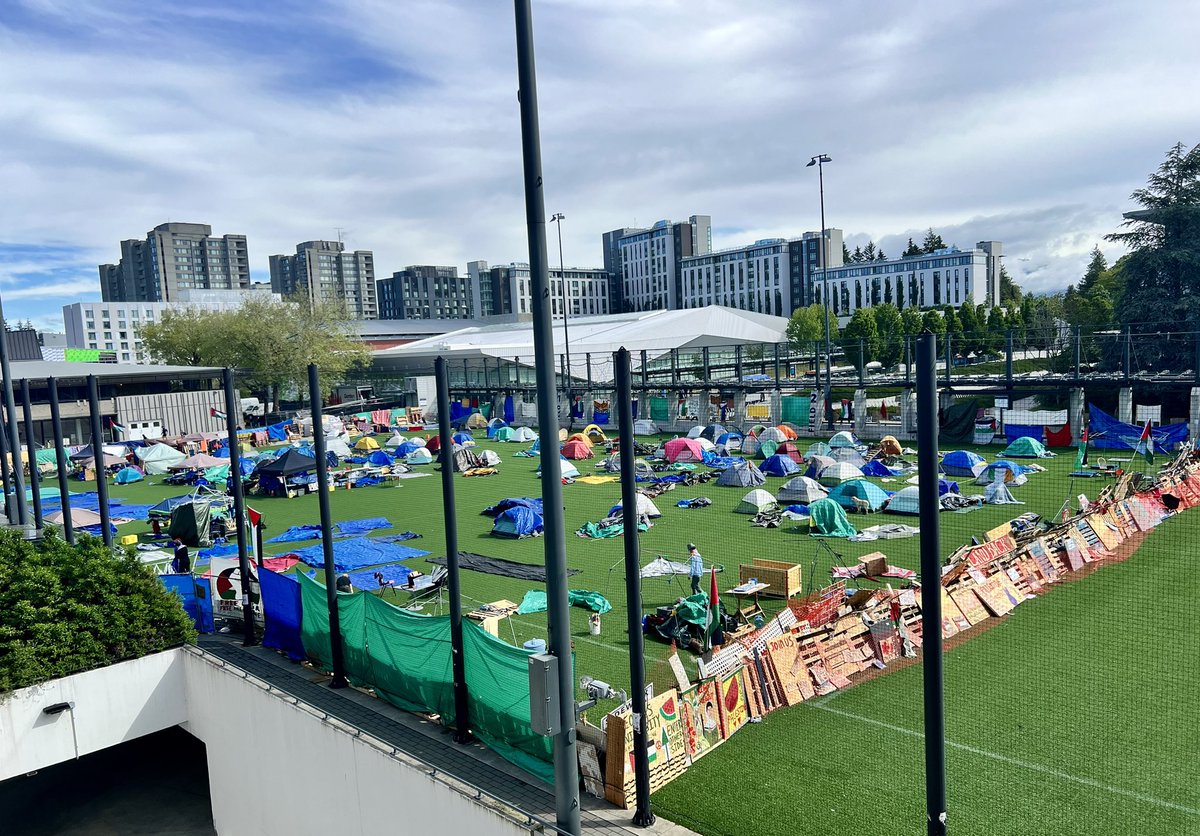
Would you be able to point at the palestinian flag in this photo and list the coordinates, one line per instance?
(218, 414)
(1146, 444)
(713, 623)
(117, 426)
(1081, 459)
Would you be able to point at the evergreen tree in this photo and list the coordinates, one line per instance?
(890, 325)
(932, 242)
(911, 250)
(1026, 317)
(846, 257)
(869, 251)
(970, 327)
(1010, 291)
(879, 256)
(953, 323)
(860, 338)
(887, 293)
(1090, 306)
(857, 255)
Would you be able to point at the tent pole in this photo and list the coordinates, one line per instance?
(232, 407)
(462, 713)
(35, 479)
(98, 459)
(331, 594)
(60, 454)
(931, 584)
(566, 765)
(643, 816)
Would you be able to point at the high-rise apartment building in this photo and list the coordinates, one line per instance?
(175, 257)
(650, 261)
(507, 289)
(425, 291)
(323, 271)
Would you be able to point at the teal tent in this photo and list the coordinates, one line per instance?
(1026, 448)
(845, 494)
(828, 518)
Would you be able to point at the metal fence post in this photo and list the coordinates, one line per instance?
(98, 459)
(35, 478)
(337, 655)
(14, 436)
(1008, 359)
(931, 582)
(239, 506)
(60, 456)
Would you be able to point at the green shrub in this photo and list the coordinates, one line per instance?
(65, 609)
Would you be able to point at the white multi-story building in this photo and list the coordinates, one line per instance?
(507, 289)
(116, 326)
(651, 258)
(945, 277)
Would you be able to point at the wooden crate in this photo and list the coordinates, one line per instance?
(783, 577)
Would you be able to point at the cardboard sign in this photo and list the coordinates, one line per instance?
(227, 589)
(789, 669)
(732, 690)
(1041, 556)
(991, 592)
(953, 620)
(999, 532)
(982, 555)
(1075, 557)
(969, 603)
(666, 748)
(702, 718)
(681, 677)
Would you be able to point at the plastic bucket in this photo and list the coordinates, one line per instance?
(594, 624)
(536, 645)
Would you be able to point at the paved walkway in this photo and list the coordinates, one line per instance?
(426, 741)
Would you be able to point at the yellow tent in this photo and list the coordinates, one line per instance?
(889, 446)
(366, 444)
(581, 437)
(594, 433)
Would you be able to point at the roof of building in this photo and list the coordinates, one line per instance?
(655, 332)
(41, 369)
(404, 328)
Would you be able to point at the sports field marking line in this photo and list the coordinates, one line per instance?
(1035, 767)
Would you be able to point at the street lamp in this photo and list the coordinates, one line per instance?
(819, 161)
(557, 219)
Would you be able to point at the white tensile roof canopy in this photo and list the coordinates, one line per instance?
(655, 332)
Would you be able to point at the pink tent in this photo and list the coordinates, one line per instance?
(683, 450)
(200, 461)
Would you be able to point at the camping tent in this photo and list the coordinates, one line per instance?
(889, 446)
(878, 469)
(644, 426)
(128, 475)
(366, 444)
(595, 434)
(962, 463)
(523, 434)
(292, 461)
(816, 464)
(642, 469)
(818, 448)
(845, 494)
(695, 431)
(200, 461)
(837, 473)
(576, 449)
(802, 489)
(337, 445)
(683, 450)
(645, 507)
(998, 493)
(420, 455)
(504, 434)
(828, 518)
(705, 445)
(463, 459)
(380, 458)
(157, 458)
(789, 432)
(494, 426)
(567, 468)
(1026, 448)
(475, 421)
(191, 522)
(905, 501)
(713, 432)
(434, 444)
(790, 449)
(729, 440)
(756, 502)
(464, 439)
(848, 455)
(406, 449)
(778, 465)
(395, 441)
(750, 445)
(488, 458)
(844, 439)
(1014, 474)
(81, 518)
(518, 521)
(745, 475)
(773, 434)
(767, 448)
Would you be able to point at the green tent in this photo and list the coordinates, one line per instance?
(829, 520)
(504, 434)
(1026, 448)
(191, 522)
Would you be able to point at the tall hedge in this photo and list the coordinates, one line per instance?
(65, 609)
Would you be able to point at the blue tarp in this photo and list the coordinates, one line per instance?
(878, 469)
(281, 611)
(278, 432)
(366, 580)
(509, 413)
(297, 534)
(396, 538)
(197, 599)
(458, 412)
(518, 521)
(600, 417)
(722, 462)
(132, 512)
(945, 487)
(1107, 433)
(351, 527)
(798, 509)
(406, 448)
(534, 504)
(1014, 431)
(357, 553)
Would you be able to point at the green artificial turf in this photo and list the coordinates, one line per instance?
(1080, 681)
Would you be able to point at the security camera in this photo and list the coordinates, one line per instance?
(598, 690)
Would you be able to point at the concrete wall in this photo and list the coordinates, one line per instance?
(113, 704)
(178, 411)
(278, 769)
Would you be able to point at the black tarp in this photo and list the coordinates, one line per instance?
(958, 422)
(497, 566)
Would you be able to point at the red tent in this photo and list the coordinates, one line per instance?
(576, 450)
(683, 450)
(434, 443)
(789, 449)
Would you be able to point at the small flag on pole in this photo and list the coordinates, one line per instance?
(1081, 459)
(1146, 444)
(216, 413)
(116, 426)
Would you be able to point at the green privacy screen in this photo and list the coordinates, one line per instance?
(659, 410)
(795, 409)
(405, 657)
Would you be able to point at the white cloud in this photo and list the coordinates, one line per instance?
(1023, 122)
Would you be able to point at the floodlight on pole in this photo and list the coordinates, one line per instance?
(819, 161)
(558, 218)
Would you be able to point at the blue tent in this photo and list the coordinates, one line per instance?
(845, 494)
(518, 521)
(495, 424)
(962, 463)
(379, 458)
(463, 438)
(127, 475)
(503, 505)
(878, 469)
(725, 438)
(406, 448)
(945, 487)
(779, 465)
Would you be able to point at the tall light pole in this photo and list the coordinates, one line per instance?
(558, 218)
(819, 161)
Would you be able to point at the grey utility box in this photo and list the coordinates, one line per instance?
(545, 714)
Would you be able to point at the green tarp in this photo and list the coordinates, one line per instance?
(659, 409)
(595, 531)
(535, 601)
(958, 422)
(828, 518)
(795, 409)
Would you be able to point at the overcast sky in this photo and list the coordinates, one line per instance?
(1024, 122)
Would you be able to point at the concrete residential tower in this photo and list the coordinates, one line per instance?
(322, 271)
(174, 257)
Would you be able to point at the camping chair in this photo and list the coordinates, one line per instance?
(385, 584)
(432, 588)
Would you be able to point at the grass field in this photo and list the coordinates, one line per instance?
(1069, 717)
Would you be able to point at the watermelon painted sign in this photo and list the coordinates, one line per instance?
(985, 553)
(734, 709)
(226, 576)
(666, 747)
